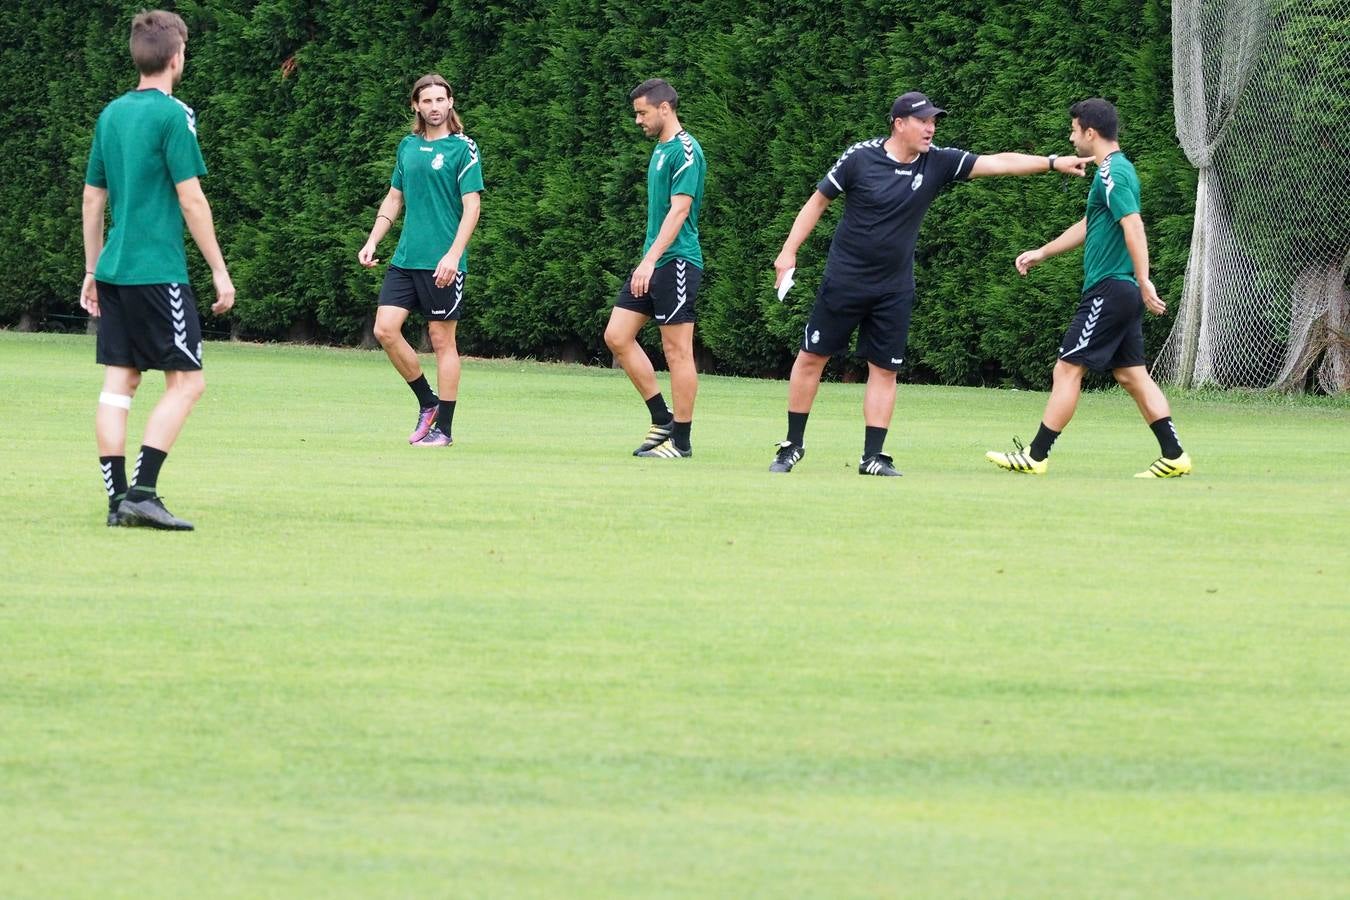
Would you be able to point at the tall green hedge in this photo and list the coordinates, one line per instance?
(300, 106)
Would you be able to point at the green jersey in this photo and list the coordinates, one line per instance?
(145, 143)
(434, 176)
(1113, 196)
(676, 167)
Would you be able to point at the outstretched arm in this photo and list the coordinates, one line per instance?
(802, 227)
(1137, 243)
(95, 201)
(1024, 164)
(197, 213)
(1073, 236)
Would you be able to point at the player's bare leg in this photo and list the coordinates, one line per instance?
(389, 332)
(878, 407)
(678, 343)
(110, 419)
(803, 384)
(447, 358)
(442, 336)
(1153, 406)
(804, 381)
(1064, 394)
(182, 390)
(621, 338)
(1147, 395)
(879, 397)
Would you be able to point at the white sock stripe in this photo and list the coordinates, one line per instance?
(121, 401)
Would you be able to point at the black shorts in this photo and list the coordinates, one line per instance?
(670, 295)
(415, 290)
(1107, 332)
(882, 321)
(149, 326)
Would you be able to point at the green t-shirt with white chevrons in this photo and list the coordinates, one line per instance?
(145, 143)
(434, 176)
(1113, 196)
(676, 167)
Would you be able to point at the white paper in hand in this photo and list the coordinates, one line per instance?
(786, 284)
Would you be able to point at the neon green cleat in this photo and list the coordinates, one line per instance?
(1018, 460)
(1168, 468)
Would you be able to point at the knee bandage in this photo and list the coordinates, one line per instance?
(121, 401)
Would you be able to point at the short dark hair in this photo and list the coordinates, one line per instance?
(156, 35)
(1097, 114)
(657, 91)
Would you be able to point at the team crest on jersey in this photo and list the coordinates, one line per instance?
(438, 161)
(918, 180)
(660, 161)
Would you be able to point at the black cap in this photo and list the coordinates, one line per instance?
(914, 104)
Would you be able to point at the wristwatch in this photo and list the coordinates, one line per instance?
(1051, 160)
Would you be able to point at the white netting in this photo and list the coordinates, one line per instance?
(1262, 96)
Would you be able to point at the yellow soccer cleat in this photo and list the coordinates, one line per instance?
(1168, 468)
(1018, 460)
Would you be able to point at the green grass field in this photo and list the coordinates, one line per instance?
(532, 665)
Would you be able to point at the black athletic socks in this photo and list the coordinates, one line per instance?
(114, 474)
(656, 405)
(796, 433)
(146, 475)
(679, 435)
(1166, 433)
(873, 441)
(1045, 439)
(445, 417)
(426, 397)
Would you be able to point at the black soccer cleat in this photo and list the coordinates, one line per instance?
(788, 455)
(149, 513)
(113, 503)
(657, 435)
(877, 464)
(665, 450)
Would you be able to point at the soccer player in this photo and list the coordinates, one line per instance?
(888, 184)
(665, 282)
(438, 170)
(1107, 332)
(146, 163)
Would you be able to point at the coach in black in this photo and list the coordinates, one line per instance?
(888, 184)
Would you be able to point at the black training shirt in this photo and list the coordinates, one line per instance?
(884, 204)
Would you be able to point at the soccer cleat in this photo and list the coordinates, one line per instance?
(425, 419)
(658, 434)
(788, 455)
(113, 503)
(877, 464)
(435, 438)
(1168, 468)
(1018, 460)
(665, 450)
(149, 513)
